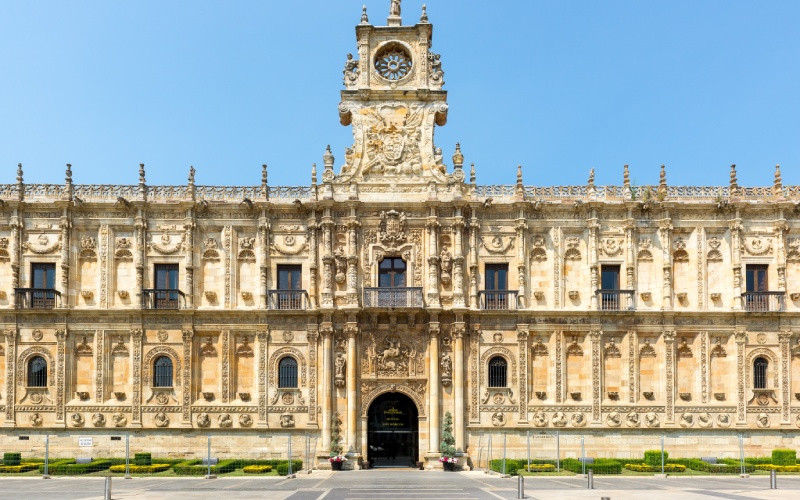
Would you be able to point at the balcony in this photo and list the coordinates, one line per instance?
(287, 300)
(393, 297)
(764, 301)
(169, 298)
(497, 300)
(616, 300)
(37, 298)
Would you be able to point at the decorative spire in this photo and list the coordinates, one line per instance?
(626, 177)
(142, 181)
(364, 18)
(191, 175)
(423, 19)
(313, 174)
(68, 177)
(20, 185)
(777, 187)
(519, 189)
(327, 161)
(590, 183)
(472, 177)
(394, 18)
(662, 182)
(734, 189)
(264, 190)
(458, 158)
(19, 173)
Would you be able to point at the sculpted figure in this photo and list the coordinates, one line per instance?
(340, 365)
(613, 419)
(203, 420)
(633, 420)
(559, 419)
(447, 365)
(394, 8)
(539, 419)
(120, 420)
(651, 419)
(578, 420)
(98, 420)
(225, 420)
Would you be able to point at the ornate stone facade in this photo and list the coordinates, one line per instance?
(673, 343)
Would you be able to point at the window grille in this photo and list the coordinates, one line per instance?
(760, 373)
(287, 372)
(162, 372)
(37, 372)
(497, 372)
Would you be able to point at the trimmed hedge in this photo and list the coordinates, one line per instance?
(725, 466)
(196, 467)
(283, 469)
(780, 456)
(779, 468)
(656, 468)
(16, 469)
(653, 457)
(257, 469)
(512, 465)
(15, 458)
(599, 466)
(540, 468)
(69, 467)
(142, 459)
(141, 469)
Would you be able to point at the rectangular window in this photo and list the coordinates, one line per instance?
(392, 273)
(289, 277)
(756, 277)
(609, 279)
(44, 275)
(166, 276)
(496, 276)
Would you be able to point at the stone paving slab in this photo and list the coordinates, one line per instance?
(403, 485)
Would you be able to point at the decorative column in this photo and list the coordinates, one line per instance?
(313, 259)
(633, 365)
(741, 373)
(701, 267)
(474, 380)
(351, 330)
(597, 383)
(61, 360)
(433, 393)
(64, 225)
(522, 261)
(327, 259)
(225, 368)
(557, 269)
(11, 361)
(669, 363)
(474, 227)
(780, 227)
(312, 335)
(559, 339)
(432, 225)
(16, 236)
(630, 257)
(785, 337)
(186, 408)
(352, 260)
(736, 260)
(458, 260)
(327, 387)
(139, 255)
(99, 365)
(665, 234)
(136, 372)
(594, 268)
(704, 366)
(458, 385)
(188, 247)
(263, 236)
(263, 337)
(522, 341)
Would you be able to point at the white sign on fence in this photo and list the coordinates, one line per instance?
(85, 442)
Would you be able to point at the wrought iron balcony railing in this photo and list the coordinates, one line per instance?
(170, 298)
(764, 301)
(498, 300)
(291, 300)
(37, 298)
(393, 297)
(616, 300)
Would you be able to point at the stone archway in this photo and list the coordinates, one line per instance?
(392, 431)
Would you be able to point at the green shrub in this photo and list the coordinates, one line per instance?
(656, 468)
(780, 456)
(15, 458)
(541, 468)
(141, 469)
(257, 469)
(296, 464)
(779, 468)
(512, 464)
(283, 469)
(196, 468)
(725, 466)
(69, 467)
(142, 459)
(600, 466)
(653, 457)
(15, 469)
(755, 460)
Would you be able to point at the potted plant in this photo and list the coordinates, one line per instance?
(448, 446)
(337, 459)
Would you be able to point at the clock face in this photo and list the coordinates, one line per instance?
(393, 62)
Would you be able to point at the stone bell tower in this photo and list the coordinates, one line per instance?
(393, 99)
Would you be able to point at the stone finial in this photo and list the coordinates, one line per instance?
(472, 177)
(519, 188)
(264, 189)
(734, 188)
(68, 175)
(364, 18)
(20, 185)
(191, 175)
(519, 175)
(19, 173)
(328, 160)
(313, 174)
(458, 158)
(394, 18)
(142, 179)
(662, 182)
(423, 19)
(777, 187)
(590, 183)
(626, 177)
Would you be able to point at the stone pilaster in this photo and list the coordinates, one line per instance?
(665, 236)
(458, 260)
(186, 401)
(312, 336)
(432, 225)
(433, 393)
(474, 228)
(136, 382)
(474, 345)
(559, 341)
(736, 260)
(352, 261)
(225, 365)
(263, 237)
(140, 228)
(522, 344)
(65, 225)
(522, 268)
(597, 383)
(327, 260)
(11, 363)
(61, 371)
(100, 365)
(785, 337)
(351, 330)
(16, 245)
(741, 374)
(313, 259)
(188, 247)
(326, 330)
(669, 366)
(594, 267)
(704, 367)
(633, 365)
(460, 415)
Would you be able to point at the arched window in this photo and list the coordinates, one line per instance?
(162, 372)
(287, 372)
(37, 372)
(498, 367)
(760, 373)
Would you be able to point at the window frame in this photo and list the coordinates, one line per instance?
(760, 371)
(292, 271)
(37, 380)
(497, 379)
(607, 270)
(493, 270)
(49, 269)
(158, 372)
(753, 274)
(288, 380)
(392, 272)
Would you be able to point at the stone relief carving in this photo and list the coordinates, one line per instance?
(578, 420)
(42, 245)
(613, 419)
(351, 72)
(573, 251)
(498, 245)
(287, 420)
(392, 229)
(498, 419)
(391, 356)
(161, 419)
(559, 419)
(633, 419)
(446, 369)
(203, 420)
(76, 419)
(539, 419)
(651, 420)
(757, 245)
(98, 420)
(611, 246)
(225, 421)
(245, 420)
(687, 420)
(164, 247)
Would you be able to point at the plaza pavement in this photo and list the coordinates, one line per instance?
(389, 484)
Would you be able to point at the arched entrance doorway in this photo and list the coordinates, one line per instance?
(392, 431)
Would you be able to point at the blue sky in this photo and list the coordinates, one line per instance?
(558, 86)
